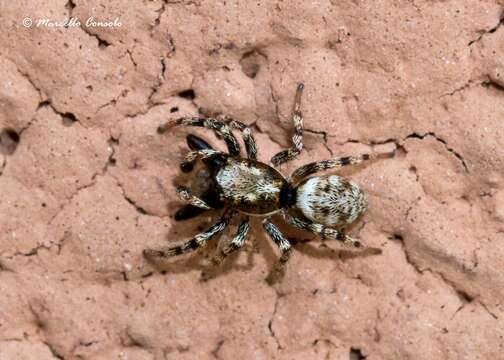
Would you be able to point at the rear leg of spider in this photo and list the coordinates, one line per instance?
(297, 138)
(336, 163)
(322, 230)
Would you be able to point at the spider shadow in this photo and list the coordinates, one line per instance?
(312, 246)
(322, 251)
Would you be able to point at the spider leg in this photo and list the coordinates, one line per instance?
(337, 163)
(323, 231)
(196, 143)
(188, 163)
(297, 139)
(235, 244)
(246, 132)
(192, 244)
(185, 195)
(210, 123)
(210, 197)
(283, 244)
(248, 138)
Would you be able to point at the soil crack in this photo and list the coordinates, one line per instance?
(445, 144)
(53, 351)
(270, 323)
(324, 137)
(489, 31)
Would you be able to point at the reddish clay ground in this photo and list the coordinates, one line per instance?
(86, 183)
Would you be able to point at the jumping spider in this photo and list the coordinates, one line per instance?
(324, 205)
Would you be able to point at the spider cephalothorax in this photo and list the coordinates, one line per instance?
(325, 204)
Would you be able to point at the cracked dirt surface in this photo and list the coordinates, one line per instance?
(86, 182)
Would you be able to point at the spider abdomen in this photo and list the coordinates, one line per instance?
(250, 186)
(330, 200)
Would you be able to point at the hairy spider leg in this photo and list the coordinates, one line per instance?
(248, 138)
(208, 200)
(210, 197)
(322, 230)
(246, 132)
(198, 241)
(196, 143)
(227, 247)
(219, 127)
(186, 196)
(283, 244)
(297, 138)
(336, 163)
(195, 155)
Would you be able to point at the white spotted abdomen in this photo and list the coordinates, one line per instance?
(330, 200)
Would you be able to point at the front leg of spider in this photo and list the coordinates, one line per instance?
(219, 127)
(198, 241)
(248, 138)
(187, 164)
(297, 138)
(196, 143)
